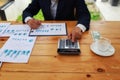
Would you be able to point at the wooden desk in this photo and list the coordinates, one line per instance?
(46, 64)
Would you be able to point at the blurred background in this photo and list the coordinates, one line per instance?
(109, 10)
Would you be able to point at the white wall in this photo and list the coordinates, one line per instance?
(89, 1)
(21, 4)
(14, 10)
(11, 13)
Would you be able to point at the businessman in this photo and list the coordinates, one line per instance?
(60, 10)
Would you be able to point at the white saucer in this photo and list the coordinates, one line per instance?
(109, 52)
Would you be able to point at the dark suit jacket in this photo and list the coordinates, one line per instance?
(66, 10)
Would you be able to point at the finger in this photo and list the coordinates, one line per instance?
(73, 37)
(38, 22)
(34, 26)
(79, 35)
(69, 36)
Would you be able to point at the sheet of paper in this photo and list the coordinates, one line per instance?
(20, 30)
(17, 49)
(50, 29)
(3, 27)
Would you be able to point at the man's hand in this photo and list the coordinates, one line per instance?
(34, 24)
(75, 34)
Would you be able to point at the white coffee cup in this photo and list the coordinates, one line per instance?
(103, 44)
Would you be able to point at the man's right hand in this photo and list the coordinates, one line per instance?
(34, 24)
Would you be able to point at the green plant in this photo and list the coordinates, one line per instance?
(39, 16)
(95, 15)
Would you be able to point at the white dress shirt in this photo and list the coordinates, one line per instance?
(53, 7)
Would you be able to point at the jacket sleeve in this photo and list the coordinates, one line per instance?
(83, 14)
(31, 10)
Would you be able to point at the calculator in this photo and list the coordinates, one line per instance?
(66, 46)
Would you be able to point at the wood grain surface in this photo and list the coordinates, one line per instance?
(46, 64)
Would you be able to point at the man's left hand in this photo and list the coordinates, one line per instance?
(75, 34)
